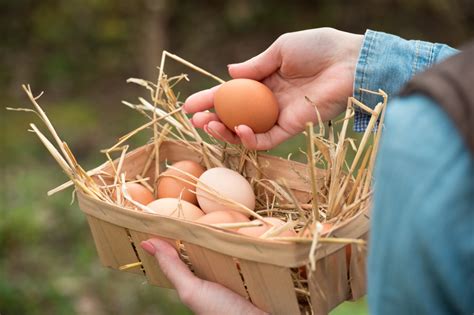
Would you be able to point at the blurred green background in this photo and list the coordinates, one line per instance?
(80, 53)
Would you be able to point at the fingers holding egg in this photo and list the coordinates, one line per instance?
(245, 111)
(219, 131)
(200, 101)
(201, 119)
(246, 102)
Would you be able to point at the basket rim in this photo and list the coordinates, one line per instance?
(277, 252)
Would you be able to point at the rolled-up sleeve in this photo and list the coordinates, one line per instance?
(387, 62)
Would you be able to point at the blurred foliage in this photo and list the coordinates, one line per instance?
(81, 53)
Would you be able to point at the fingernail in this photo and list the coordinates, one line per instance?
(184, 110)
(206, 128)
(148, 247)
(191, 120)
(236, 129)
(209, 130)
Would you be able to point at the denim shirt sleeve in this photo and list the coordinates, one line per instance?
(387, 62)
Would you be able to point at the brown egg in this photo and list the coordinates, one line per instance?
(169, 187)
(225, 216)
(138, 193)
(257, 231)
(176, 208)
(246, 102)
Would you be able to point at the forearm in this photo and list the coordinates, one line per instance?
(387, 62)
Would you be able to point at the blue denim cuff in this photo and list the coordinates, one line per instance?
(387, 62)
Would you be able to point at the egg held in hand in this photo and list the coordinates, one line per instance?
(246, 102)
(175, 208)
(228, 184)
(172, 187)
(257, 231)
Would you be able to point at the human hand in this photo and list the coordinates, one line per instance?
(201, 296)
(318, 64)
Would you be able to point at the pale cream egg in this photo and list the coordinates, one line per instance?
(226, 183)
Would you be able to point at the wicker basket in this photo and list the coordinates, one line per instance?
(258, 269)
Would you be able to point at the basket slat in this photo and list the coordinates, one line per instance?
(113, 244)
(216, 267)
(270, 287)
(153, 272)
(328, 284)
(357, 271)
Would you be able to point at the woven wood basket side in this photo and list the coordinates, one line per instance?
(254, 268)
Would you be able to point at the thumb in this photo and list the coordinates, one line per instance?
(258, 67)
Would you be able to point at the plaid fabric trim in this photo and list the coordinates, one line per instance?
(361, 121)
